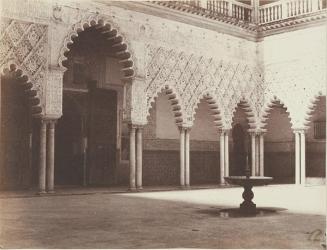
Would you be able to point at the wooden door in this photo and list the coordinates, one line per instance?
(102, 136)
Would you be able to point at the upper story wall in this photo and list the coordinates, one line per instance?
(295, 69)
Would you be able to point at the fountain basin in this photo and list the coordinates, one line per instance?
(251, 180)
(247, 207)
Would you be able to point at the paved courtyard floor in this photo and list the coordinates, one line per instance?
(170, 219)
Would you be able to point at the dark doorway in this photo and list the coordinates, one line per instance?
(239, 150)
(69, 136)
(16, 135)
(102, 136)
(86, 139)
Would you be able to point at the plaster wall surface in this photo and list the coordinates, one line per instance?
(204, 128)
(166, 127)
(295, 69)
(278, 126)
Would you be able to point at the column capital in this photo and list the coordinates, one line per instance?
(252, 133)
(132, 126)
(49, 121)
(299, 130)
(257, 131)
(224, 131)
(184, 128)
(136, 125)
(43, 121)
(139, 127)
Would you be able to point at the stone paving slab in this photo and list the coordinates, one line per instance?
(121, 220)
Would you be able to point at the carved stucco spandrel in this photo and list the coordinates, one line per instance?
(54, 90)
(25, 45)
(193, 76)
(138, 102)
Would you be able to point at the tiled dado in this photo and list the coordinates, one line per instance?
(173, 144)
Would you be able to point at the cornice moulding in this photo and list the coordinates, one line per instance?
(240, 30)
(221, 24)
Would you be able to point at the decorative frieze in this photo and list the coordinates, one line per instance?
(54, 90)
(193, 78)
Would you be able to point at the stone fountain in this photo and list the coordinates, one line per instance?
(247, 207)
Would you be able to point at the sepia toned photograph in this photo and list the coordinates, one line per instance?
(191, 124)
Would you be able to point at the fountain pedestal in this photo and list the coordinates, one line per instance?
(247, 207)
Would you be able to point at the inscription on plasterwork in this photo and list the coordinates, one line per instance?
(54, 94)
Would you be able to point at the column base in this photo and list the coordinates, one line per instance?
(51, 192)
(43, 192)
(139, 189)
(132, 189)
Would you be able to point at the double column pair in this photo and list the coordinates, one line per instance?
(46, 160)
(257, 154)
(135, 157)
(300, 174)
(184, 156)
(224, 155)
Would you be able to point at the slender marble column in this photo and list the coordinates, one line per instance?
(257, 154)
(132, 184)
(253, 153)
(222, 157)
(297, 158)
(187, 157)
(42, 157)
(50, 157)
(182, 156)
(262, 154)
(302, 159)
(226, 153)
(139, 158)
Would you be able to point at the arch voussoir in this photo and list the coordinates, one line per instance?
(116, 42)
(174, 98)
(30, 90)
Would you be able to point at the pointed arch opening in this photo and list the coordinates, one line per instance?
(20, 105)
(316, 143)
(204, 142)
(102, 30)
(161, 141)
(240, 139)
(279, 146)
(98, 67)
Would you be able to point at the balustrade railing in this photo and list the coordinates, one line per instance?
(231, 8)
(284, 9)
(267, 13)
(270, 12)
(241, 11)
(219, 7)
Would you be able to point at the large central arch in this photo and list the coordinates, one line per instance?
(116, 40)
(113, 41)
